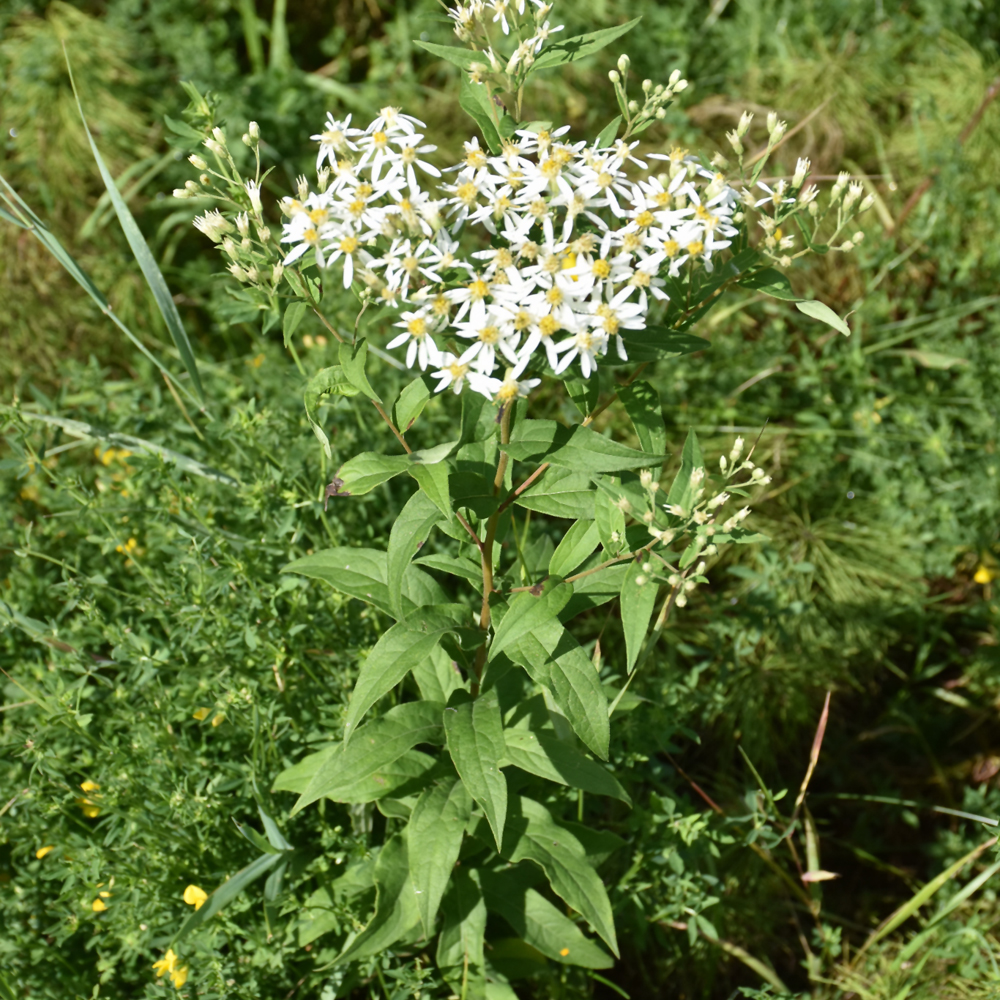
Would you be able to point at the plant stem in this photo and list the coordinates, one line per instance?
(392, 427)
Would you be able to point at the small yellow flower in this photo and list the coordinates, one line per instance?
(89, 786)
(195, 896)
(984, 575)
(90, 808)
(166, 964)
(179, 976)
(201, 714)
(98, 905)
(42, 851)
(564, 952)
(219, 719)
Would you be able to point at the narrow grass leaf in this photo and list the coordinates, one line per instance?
(144, 257)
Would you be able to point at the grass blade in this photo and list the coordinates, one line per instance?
(910, 907)
(21, 215)
(143, 255)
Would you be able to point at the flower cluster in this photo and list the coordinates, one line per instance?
(572, 251)
(698, 520)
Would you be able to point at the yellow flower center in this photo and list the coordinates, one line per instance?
(348, 244)
(466, 192)
(695, 247)
(662, 199)
(440, 306)
(364, 190)
(645, 219)
(379, 139)
(489, 335)
(601, 268)
(605, 179)
(310, 236)
(539, 208)
(549, 325)
(410, 265)
(476, 158)
(356, 208)
(631, 242)
(319, 216)
(503, 258)
(478, 290)
(409, 155)
(417, 327)
(610, 320)
(522, 321)
(508, 391)
(554, 297)
(456, 370)
(551, 168)
(671, 248)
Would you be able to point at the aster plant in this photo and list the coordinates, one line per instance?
(541, 264)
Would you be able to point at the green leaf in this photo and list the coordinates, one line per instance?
(409, 532)
(326, 382)
(475, 101)
(581, 46)
(637, 604)
(463, 58)
(656, 344)
(533, 835)
(535, 920)
(411, 403)
(681, 490)
(528, 611)
(547, 757)
(607, 134)
(361, 573)
(403, 646)
(352, 360)
(395, 904)
(575, 547)
(434, 838)
(434, 482)
(771, 282)
(183, 129)
(560, 493)
(579, 448)
(361, 474)
(822, 312)
(642, 404)
(342, 774)
(553, 658)
(228, 891)
(290, 321)
(460, 943)
(584, 392)
(610, 521)
(460, 566)
(144, 257)
(475, 742)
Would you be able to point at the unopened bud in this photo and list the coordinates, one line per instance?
(647, 86)
(801, 171)
(254, 131)
(181, 193)
(723, 463)
(219, 135)
(323, 179)
(623, 64)
(675, 78)
(614, 76)
(238, 273)
(772, 120)
(263, 234)
(660, 114)
(744, 126)
(279, 270)
(302, 185)
(737, 450)
(734, 141)
(867, 203)
(776, 133)
(633, 107)
(197, 162)
(243, 224)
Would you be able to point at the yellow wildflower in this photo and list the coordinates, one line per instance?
(195, 896)
(89, 786)
(201, 714)
(984, 575)
(42, 851)
(98, 905)
(179, 976)
(166, 964)
(217, 720)
(89, 807)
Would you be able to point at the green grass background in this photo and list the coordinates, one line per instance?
(132, 594)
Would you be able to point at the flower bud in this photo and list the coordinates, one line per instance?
(254, 131)
(263, 234)
(243, 224)
(279, 270)
(197, 162)
(633, 107)
(181, 193)
(660, 114)
(737, 450)
(623, 64)
(744, 126)
(302, 185)
(776, 133)
(679, 86)
(867, 203)
(238, 273)
(734, 141)
(647, 86)
(614, 76)
(722, 463)
(801, 170)
(675, 78)
(219, 135)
